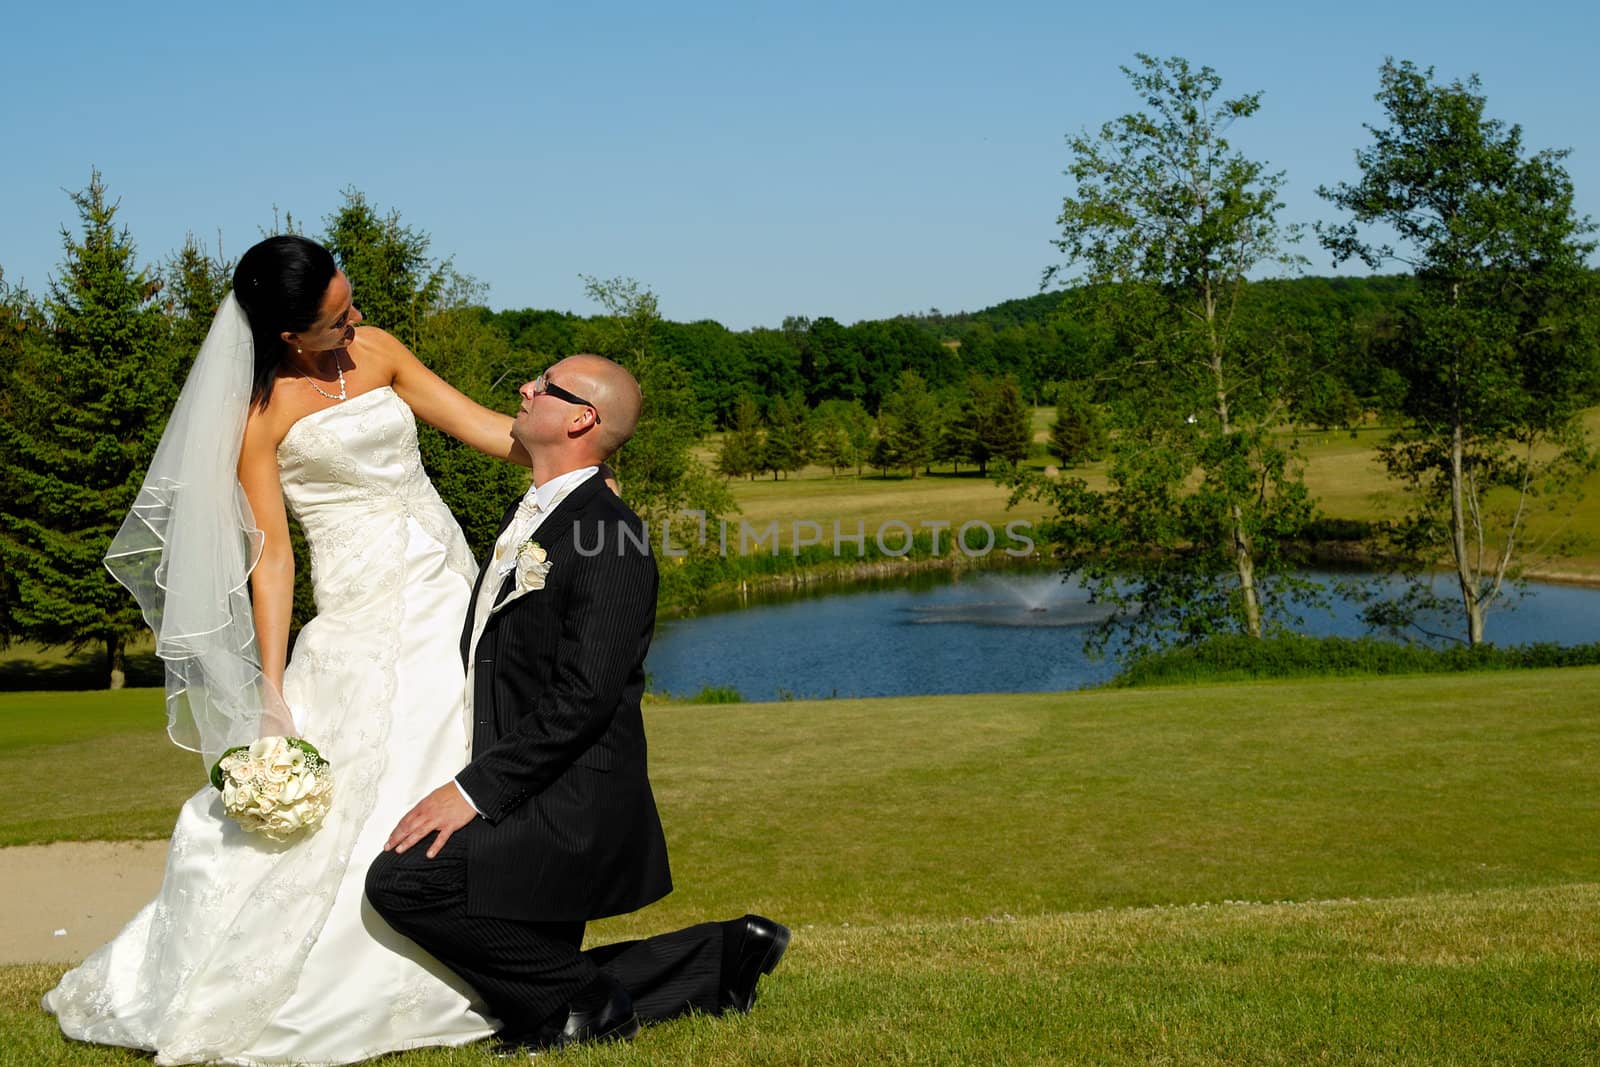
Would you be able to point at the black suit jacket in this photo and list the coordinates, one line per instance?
(558, 766)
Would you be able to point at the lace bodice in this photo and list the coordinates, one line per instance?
(352, 475)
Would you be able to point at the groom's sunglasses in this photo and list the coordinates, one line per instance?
(541, 384)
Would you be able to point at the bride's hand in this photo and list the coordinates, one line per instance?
(276, 718)
(610, 477)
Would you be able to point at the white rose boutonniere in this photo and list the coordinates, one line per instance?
(533, 563)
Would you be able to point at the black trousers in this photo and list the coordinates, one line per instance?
(530, 974)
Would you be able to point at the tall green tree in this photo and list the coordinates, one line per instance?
(739, 454)
(887, 451)
(20, 335)
(789, 438)
(843, 434)
(955, 440)
(1167, 221)
(195, 283)
(991, 422)
(1499, 353)
(1078, 433)
(908, 426)
(662, 479)
(86, 410)
(397, 284)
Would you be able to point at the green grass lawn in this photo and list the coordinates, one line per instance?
(1508, 977)
(1354, 871)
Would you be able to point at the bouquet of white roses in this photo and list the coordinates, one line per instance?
(276, 786)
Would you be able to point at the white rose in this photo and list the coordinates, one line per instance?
(533, 563)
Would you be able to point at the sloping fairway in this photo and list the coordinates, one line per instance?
(90, 766)
(1355, 871)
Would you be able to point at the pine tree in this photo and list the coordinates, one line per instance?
(843, 434)
(195, 283)
(887, 439)
(789, 438)
(1008, 432)
(87, 408)
(397, 285)
(1078, 434)
(19, 332)
(990, 422)
(740, 453)
(956, 430)
(908, 425)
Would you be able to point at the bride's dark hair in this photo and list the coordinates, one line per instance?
(280, 284)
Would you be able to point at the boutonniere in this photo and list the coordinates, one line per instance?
(533, 563)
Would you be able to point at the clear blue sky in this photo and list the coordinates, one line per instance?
(747, 161)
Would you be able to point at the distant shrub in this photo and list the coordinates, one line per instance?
(1237, 658)
(716, 694)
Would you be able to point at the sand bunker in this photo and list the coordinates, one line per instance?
(65, 900)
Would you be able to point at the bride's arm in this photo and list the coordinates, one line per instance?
(272, 581)
(442, 406)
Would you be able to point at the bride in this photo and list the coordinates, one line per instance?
(255, 952)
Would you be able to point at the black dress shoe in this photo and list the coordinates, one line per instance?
(613, 1020)
(763, 945)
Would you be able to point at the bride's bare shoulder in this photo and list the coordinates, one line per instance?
(265, 427)
(368, 334)
(375, 347)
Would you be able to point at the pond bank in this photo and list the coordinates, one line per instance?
(837, 576)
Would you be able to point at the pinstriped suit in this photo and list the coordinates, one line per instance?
(569, 830)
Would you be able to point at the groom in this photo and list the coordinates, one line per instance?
(552, 822)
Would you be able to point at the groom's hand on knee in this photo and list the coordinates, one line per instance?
(444, 810)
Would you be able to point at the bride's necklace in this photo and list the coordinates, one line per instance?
(342, 394)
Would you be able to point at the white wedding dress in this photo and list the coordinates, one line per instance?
(254, 952)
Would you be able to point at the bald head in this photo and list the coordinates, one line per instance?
(611, 389)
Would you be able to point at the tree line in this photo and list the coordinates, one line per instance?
(1338, 330)
(980, 420)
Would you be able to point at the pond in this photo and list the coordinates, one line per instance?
(976, 632)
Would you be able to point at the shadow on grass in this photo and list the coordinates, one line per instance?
(87, 670)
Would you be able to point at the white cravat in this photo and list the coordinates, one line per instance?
(518, 530)
(536, 504)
